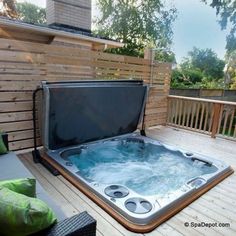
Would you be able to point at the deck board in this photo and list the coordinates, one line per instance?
(217, 205)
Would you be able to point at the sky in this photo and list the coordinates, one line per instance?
(196, 25)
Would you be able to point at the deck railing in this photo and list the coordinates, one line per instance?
(213, 117)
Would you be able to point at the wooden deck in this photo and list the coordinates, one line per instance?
(216, 206)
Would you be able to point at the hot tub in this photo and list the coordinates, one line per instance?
(90, 136)
(139, 177)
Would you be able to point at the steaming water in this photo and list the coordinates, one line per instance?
(146, 168)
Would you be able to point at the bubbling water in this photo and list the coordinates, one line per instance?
(145, 168)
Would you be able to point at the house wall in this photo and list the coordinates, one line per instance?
(76, 13)
(24, 64)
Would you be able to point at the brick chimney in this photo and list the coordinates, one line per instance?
(72, 13)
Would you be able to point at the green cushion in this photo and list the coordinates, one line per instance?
(3, 149)
(25, 186)
(21, 215)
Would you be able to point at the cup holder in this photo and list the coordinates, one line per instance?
(196, 183)
(67, 153)
(189, 154)
(69, 163)
(116, 191)
(138, 205)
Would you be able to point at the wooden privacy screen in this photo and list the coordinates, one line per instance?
(24, 64)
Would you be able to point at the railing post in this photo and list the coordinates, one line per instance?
(216, 119)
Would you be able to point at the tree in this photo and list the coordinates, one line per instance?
(8, 8)
(207, 62)
(31, 13)
(230, 72)
(165, 56)
(186, 78)
(201, 69)
(226, 9)
(138, 24)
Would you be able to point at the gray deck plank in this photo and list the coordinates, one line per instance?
(217, 205)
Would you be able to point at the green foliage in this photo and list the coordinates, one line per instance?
(186, 78)
(31, 13)
(201, 69)
(178, 80)
(165, 56)
(230, 72)
(233, 85)
(214, 84)
(138, 24)
(8, 8)
(226, 9)
(207, 62)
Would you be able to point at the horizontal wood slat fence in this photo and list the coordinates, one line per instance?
(213, 117)
(24, 64)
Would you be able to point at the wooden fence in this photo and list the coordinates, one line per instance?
(213, 117)
(217, 94)
(24, 64)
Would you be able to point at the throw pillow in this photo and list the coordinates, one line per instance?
(21, 215)
(3, 149)
(25, 186)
